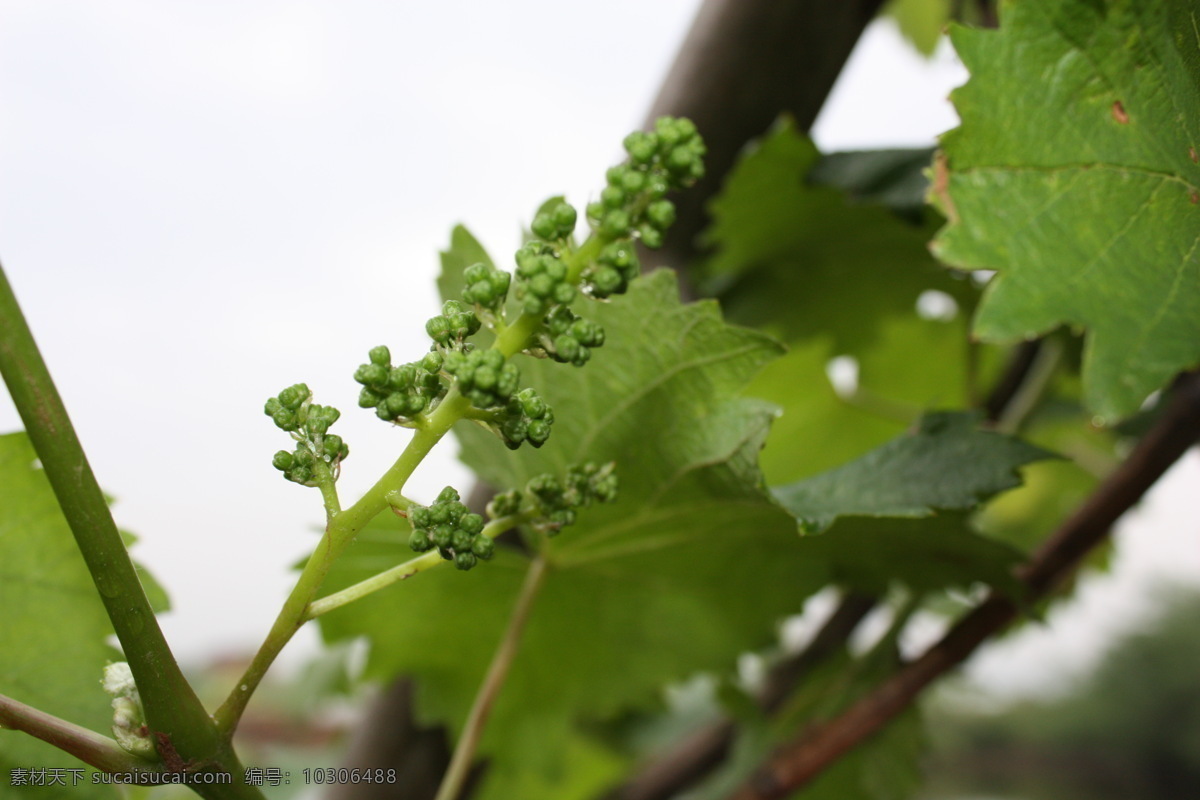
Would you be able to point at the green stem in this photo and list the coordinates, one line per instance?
(578, 260)
(88, 746)
(1031, 390)
(515, 337)
(468, 742)
(172, 708)
(396, 574)
(329, 496)
(398, 501)
(340, 531)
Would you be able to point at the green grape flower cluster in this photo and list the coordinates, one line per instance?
(455, 323)
(551, 273)
(292, 410)
(556, 223)
(485, 377)
(400, 394)
(569, 339)
(487, 287)
(634, 203)
(542, 278)
(526, 418)
(550, 504)
(447, 526)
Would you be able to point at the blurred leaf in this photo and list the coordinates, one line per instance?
(921, 21)
(834, 280)
(54, 667)
(817, 429)
(796, 260)
(885, 767)
(464, 251)
(1075, 175)
(895, 179)
(927, 555)
(1053, 489)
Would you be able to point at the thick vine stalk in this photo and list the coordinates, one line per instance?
(175, 715)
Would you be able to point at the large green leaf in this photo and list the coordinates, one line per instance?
(899, 512)
(818, 430)
(690, 567)
(1075, 175)
(835, 279)
(53, 633)
(797, 260)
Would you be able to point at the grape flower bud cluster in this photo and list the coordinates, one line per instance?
(550, 504)
(552, 273)
(400, 394)
(633, 205)
(449, 527)
(292, 410)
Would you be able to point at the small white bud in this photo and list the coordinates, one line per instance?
(118, 680)
(129, 720)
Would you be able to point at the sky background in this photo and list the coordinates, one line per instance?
(205, 202)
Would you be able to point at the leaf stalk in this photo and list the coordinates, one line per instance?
(468, 742)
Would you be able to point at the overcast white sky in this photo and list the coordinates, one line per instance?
(204, 202)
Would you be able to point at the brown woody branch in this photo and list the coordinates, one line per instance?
(1171, 436)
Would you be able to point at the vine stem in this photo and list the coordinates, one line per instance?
(1029, 392)
(174, 713)
(326, 483)
(468, 742)
(88, 746)
(339, 532)
(413, 566)
(1175, 431)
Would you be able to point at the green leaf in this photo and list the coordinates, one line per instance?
(921, 21)
(1053, 490)
(895, 179)
(817, 430)
(835, 279)
(690, 567)
(52, 639)
(797, 260)
(926, 555)
(1075, 175)
(898, 513)
(464, 251)
(946, 463)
